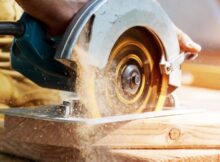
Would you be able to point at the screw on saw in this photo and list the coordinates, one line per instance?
(69, 108)
(63, 109)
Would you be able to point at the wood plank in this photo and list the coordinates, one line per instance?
(200, 131)
(17, 151)
(166, 155)
(66, 133)
(47, 141)
(39, 152)
(184, 131)
(139, 134)
(54, 134)
(57, 154)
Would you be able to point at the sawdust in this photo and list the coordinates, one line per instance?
(89, 135)
(88, 77)
(84, 72)
(92, 85)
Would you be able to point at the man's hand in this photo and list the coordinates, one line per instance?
(186, 43)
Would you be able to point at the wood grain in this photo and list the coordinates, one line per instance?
(166, 155)
(197, 131)
(59, 134)
(40, 152)
(68, 134)
(192, 131)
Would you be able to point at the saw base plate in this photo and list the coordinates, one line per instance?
(48, 113)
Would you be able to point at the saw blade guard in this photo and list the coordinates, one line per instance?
(101, 22)
(120, 48)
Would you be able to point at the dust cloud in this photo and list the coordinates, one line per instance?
(87, 78)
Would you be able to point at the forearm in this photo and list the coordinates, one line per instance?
(56, 14)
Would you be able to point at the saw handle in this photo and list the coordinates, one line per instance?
(32, 53)
(190, 56)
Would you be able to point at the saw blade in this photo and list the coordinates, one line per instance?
(130, 83)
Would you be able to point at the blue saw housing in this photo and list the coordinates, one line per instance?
(32, 54)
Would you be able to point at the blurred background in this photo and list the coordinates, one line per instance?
(200, 19)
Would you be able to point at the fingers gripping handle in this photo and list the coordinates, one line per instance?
(190, 56)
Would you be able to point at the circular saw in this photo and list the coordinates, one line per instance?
(120, 57)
